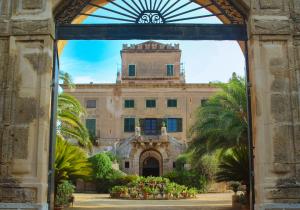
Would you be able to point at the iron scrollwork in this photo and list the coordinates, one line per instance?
(150, 17)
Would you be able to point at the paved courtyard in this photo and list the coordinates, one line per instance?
(213, 201)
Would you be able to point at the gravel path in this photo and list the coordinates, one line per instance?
(212, 201)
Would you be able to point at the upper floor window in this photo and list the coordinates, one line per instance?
(174, 125)
(170, 70)
(129, 103)
(91, 104)
(150, 103)
(131, 70)
(91, 126)
(172, 103)
(129, 124)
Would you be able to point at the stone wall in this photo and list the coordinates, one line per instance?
(25, 72)
(26, 48)
(274, 72)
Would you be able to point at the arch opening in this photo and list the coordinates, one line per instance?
(150, 167)
(151, 163)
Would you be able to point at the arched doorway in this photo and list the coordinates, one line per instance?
(151, 163)
(150, 167)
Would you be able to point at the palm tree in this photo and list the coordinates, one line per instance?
(234, 167)
(69, 114)
(70, 161)
(222, 122)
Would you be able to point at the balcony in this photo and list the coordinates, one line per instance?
(150, 140)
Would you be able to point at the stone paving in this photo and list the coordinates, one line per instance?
(212, 201)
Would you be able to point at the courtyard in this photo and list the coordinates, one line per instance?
(210, 201)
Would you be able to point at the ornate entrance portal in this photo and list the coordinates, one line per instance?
(151, 163)
(150, 167)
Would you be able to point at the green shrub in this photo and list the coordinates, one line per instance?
(152, 187)
(105, 185)
(189, 179)
(181, 161)
(112, 157)
(63, 193)
(207, 165)
(102, 165)
(71, 162)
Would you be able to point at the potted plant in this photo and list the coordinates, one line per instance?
(177, 191)
(168, 190)
(192, 192)
(153, 192)
(119, 191)
(234, 186)
(146, 192)
(133, 193)
(64, 192)
(184, 192)
(242, 200)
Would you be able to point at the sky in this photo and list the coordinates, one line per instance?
(204, 61)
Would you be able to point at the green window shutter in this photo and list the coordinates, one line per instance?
(179, 124)
(172, 103)
(129, 104)
(170, 70)
(159, 125)
(91, 126)
(142, 125)
(131, 70)
(129, 125)
(150, 103)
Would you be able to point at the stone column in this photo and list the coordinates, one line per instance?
(26, 48)
(274, 53)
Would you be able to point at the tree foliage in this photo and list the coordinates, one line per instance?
(102, 165)
(221, 125)
(222, 122)
(70, 161)
(69, 114)
(234, 166)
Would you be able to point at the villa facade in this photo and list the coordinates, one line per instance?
(146, 115)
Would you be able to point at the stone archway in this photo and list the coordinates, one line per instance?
(150, 163)
(150, 167)
(26, 44)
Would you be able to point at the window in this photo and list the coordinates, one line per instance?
(91, 104)
(129, 103)
(150, 103)
(129, 125)
(203, 102)
(131, 70)
(174, 125)
(126, 164)
(91, 126)
(174, 164)
(170, 69)
(172, 103)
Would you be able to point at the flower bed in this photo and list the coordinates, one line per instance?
(153, 188)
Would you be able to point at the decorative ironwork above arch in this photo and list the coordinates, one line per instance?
(151, 11)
